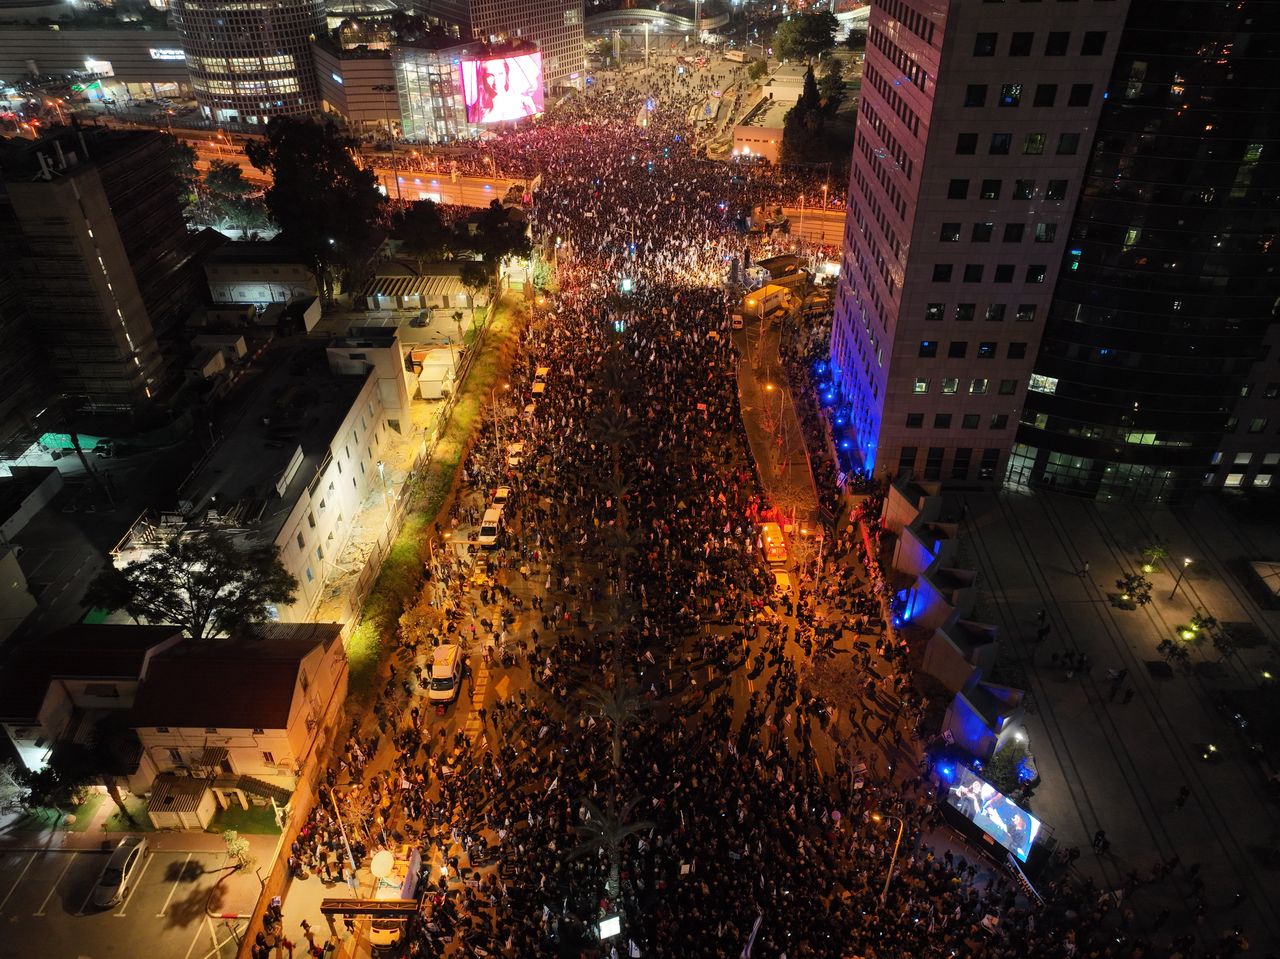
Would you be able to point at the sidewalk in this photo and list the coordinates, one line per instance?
(1117, 762)
(769, 416)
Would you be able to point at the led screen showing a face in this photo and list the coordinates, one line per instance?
(502, 88)
(980, 802)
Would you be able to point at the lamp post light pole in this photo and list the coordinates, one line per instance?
(1186, 562)
(884, 893)
(384, 89)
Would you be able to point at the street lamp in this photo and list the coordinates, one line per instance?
(1186, 562)
(384, 89)
(884, 894)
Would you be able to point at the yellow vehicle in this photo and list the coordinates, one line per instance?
(775, 546)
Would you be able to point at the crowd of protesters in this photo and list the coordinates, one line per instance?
(644, 730)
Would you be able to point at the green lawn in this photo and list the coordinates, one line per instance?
(402, 569)
(44, 820)
(137, 808)
(254, 821)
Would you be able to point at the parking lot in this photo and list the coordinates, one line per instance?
(45, 909)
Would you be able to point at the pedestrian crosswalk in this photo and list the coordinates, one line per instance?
(479, 686)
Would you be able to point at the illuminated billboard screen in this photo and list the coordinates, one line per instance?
(985, 806)
(502, 88)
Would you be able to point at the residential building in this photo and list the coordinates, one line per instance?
(58, 687)
(300, 462)
(256, 704)
(258, 273)
(973, 130)
(1159, 371)
(98, 262)
(251, 60)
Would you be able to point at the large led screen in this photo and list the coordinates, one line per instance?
(502, 88)
(981, 803)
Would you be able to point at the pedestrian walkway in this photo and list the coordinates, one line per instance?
(1117, 741)
(773, 429)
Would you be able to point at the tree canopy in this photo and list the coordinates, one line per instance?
(805, 36)
(205, 583)
(323, 200)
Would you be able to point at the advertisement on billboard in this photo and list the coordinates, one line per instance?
(502, 88)
(987, 808)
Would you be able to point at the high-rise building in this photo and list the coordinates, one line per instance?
(1160, 365)
(973, 130)
(250, 60)
(554, 25)
(97, 264)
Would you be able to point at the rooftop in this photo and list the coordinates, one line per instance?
(275, 441)
(102, 651)
(246, 681)
(266, 251)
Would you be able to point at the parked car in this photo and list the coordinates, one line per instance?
(121, 872)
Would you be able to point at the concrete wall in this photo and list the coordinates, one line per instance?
(258, 283)
(322, 518)
(16, 602)
(34, 501)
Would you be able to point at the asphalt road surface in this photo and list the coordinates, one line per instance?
(45, 910)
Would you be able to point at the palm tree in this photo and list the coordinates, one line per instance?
(622, 706)
(606, 830)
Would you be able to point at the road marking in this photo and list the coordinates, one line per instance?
(136, 883)
(17, 882)
(195, 939)
(70, 860)
(181, 875)
(217, 949)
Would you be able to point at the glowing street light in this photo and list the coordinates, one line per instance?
(884, 893)
(1186, 562)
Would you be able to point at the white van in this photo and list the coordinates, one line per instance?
(446, 674)
(490, 526)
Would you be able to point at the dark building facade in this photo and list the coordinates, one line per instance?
(98, 267)
(1158, 371)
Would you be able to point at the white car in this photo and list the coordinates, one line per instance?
(514, 453)
(490, 526)
(120, 872)
(501, 495)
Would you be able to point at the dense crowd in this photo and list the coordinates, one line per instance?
(661, 742)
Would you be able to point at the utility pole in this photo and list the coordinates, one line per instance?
(384, 89)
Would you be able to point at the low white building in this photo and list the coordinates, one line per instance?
(243, 713)
(258, 273)
(57, 687)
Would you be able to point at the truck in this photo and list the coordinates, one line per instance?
(738, 56)
(774, 545)
(401, 883)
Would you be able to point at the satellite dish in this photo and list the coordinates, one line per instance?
(384, 861)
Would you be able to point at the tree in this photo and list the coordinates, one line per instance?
(831, 86)
(805, 36)
(622, 707)
(499, 234)
(238, 849)
(233, 198)
(757, 69)
(422, 231)
(325, 203)
(227, 179)
(855, 40)
(475, 276)
(182, 165)
(14, 792)
(1134, 589)
(604, 830)
(1003, 770)
(204, 583)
